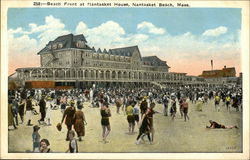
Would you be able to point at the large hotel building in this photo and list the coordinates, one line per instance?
(68, 61)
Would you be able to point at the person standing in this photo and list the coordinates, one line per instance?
(144, 129)
(235, 103)
(79, 103)
(42, 105)
(165, 105)
(63, 102)
(150, 112)
(173, 108)
(49, 104)
(73, 146)
(124, 102)
(130, 118)
(217, 103)
(181, 107)
(105, 113)
(10, 114)
(69, 120)
(118, 104)
(53, 99)
(144, 105)
(228, 99)
(15, 109)
(79, 123)
(185, 109)
(136, 112)
(36, 138)
(21, 107)
(200, 103)
(29, 110)
(91, 94)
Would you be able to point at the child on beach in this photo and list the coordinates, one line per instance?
(73, 147)
(36, 138)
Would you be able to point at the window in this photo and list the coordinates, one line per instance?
(54, 46)
(60, 45)
(80, 44)
(82, 61)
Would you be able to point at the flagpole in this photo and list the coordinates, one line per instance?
(211, 64)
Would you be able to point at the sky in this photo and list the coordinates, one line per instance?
(187, 38)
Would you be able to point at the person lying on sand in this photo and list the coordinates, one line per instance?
(214, 125)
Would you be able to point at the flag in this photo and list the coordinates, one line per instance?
(212, 64)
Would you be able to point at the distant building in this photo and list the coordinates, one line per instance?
(225, 72)
(225, 76)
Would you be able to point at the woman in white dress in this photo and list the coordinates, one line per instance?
(48, 111)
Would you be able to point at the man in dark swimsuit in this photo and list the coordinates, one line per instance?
(29, 110)
(42, 105)
(185, 109)
(105, 113)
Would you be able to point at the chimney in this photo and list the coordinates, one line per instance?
(225, 67)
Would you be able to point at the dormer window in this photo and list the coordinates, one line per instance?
(60, 45)
(80, 44)
(54, 46)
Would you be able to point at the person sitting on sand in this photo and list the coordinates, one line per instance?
(214, 125)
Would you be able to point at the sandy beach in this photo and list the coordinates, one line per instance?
(171, 136)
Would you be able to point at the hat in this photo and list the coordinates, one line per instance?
(72, 102)
(49, 98)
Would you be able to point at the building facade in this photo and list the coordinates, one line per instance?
(69, 61)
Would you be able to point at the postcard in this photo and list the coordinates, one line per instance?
(125, 79)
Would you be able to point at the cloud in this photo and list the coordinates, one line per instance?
(21, 51)
(21, 45)
(150, 28)
(81, 28)
(108, 35)
(137, 39)
(52, 28)
(19, 30)
(215, 32)
(180, 51)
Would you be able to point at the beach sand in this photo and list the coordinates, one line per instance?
(171, 136)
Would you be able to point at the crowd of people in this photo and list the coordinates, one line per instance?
(137, 104)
